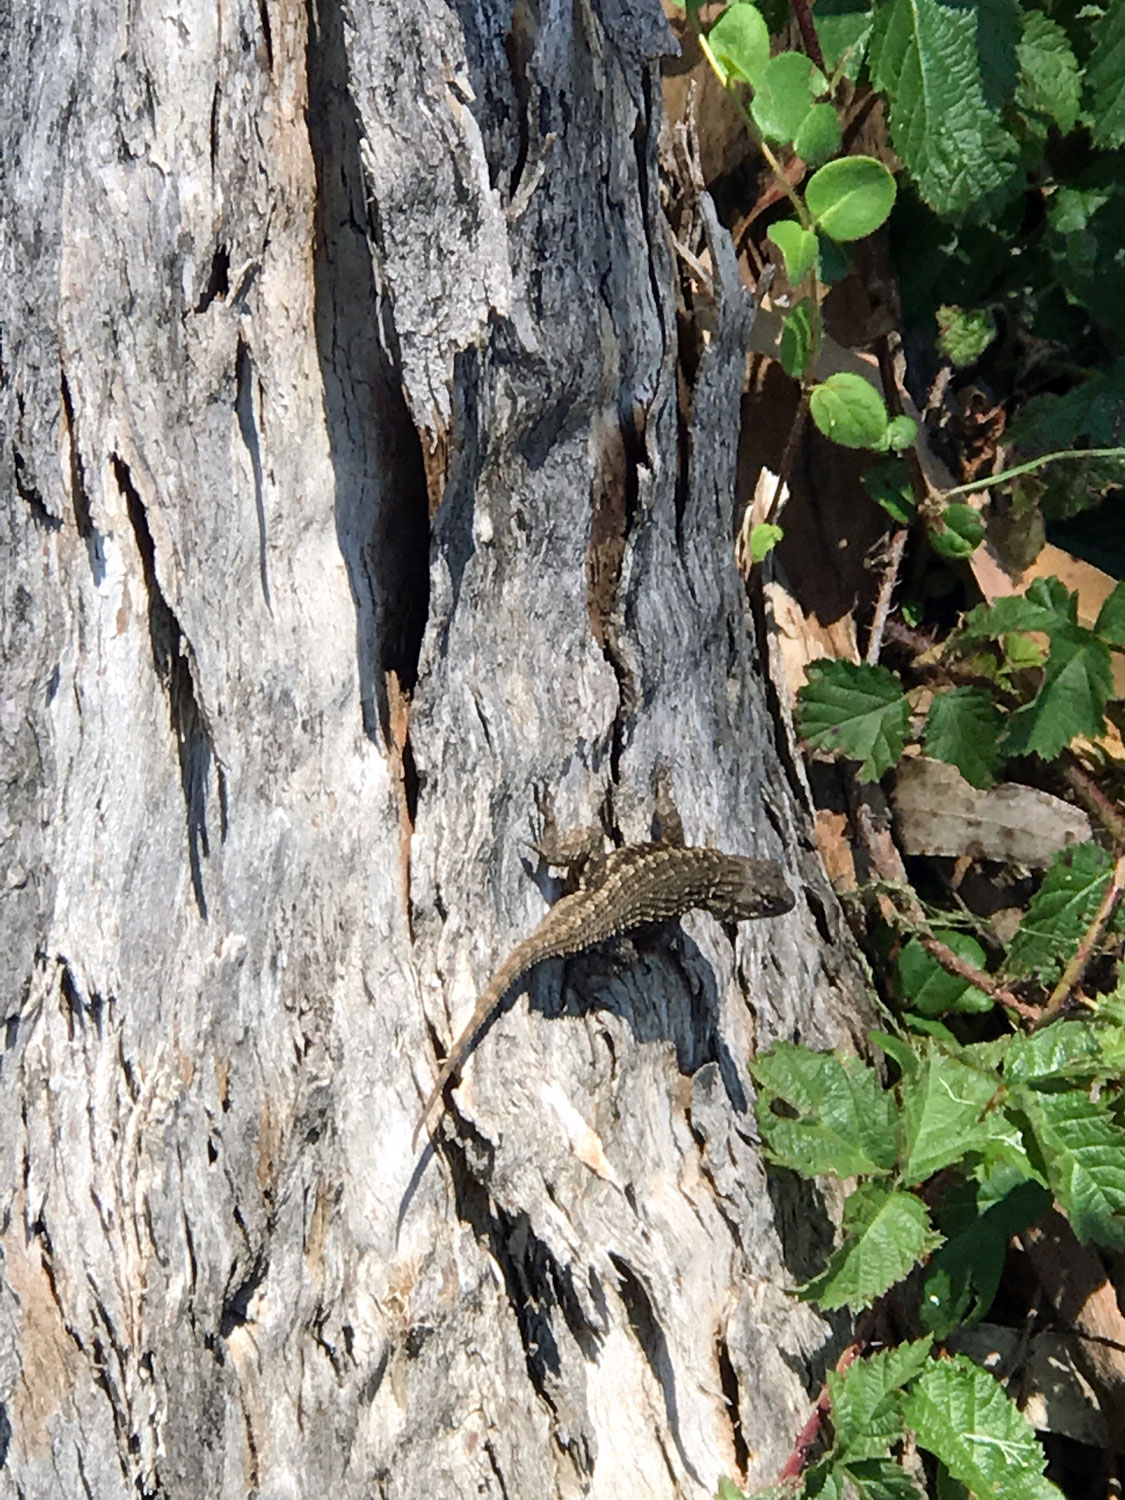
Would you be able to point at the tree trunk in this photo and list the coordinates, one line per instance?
(367, 478)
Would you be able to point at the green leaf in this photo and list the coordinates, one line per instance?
(926, 57)
(964, 333)
(843, 1126)
(763, 539)
(888, 484)
(1092, 415)
(1051, 83)
(1067, 1048)
(851, 197)
(843, 28)
(796, 339)
(963, 729)
(961, 533)
(887, 1233)
(943, 1108)
(1046, 605)
(1060, 912)
(1105, 79)
(902, 433)
(1111, 618)
(728, 1490)
(849, 410)
(866, 1405)
(783, 95)
(858, 711)
(1083, 1147)
(1077, 684)
(927, 987)
(798, 248)
(962, 1278)
(882, 1479)
(818, 137)
(961, 1415)
(740, 41)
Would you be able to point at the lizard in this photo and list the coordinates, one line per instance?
(633, 886)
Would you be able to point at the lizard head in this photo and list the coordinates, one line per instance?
(760, 890)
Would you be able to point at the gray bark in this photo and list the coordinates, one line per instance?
(340, 360)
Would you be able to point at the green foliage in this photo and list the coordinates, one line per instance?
(851, 197)
(1072, 890)
(963, 729)
(1006, 226)
(856, 711)
(964, 333)
(1064, 690)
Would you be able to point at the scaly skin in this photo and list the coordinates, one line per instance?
(641, 884)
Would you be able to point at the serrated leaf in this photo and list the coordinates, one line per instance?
(963, 729)
(783, 96)
(1083, 1148)
(928, 989)
(851, 197)
(943, 1110)
(882, 1479)
(964, 333)
(962, 1278)
(798, 248)
(858, 711)
(1046, 605)
(1068, 1048)
(1092, 415)
(1077, 683)
(1111, 618)
(926, 57)
(1059, 912)
(844, 1120)
(849, 410)
(960, 533)
(888, 1233)
(818, 137)
(866, 1411)
(740, 41)
(962, 1416)
(1051, 83)
(1105, 79)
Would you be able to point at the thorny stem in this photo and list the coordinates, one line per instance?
(886, 591)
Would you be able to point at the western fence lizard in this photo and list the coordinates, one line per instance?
(637, 885)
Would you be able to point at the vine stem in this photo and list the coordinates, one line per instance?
(1029, 468)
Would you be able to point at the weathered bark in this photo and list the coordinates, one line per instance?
(276, 287)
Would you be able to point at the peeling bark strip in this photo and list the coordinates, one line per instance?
(350, 500)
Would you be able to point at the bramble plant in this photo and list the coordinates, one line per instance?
(1000, 190)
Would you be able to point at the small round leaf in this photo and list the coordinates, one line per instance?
(850, 197)
(740, 41)
(798, 248)
(818, 137)
(850, 411)
(784, 94)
